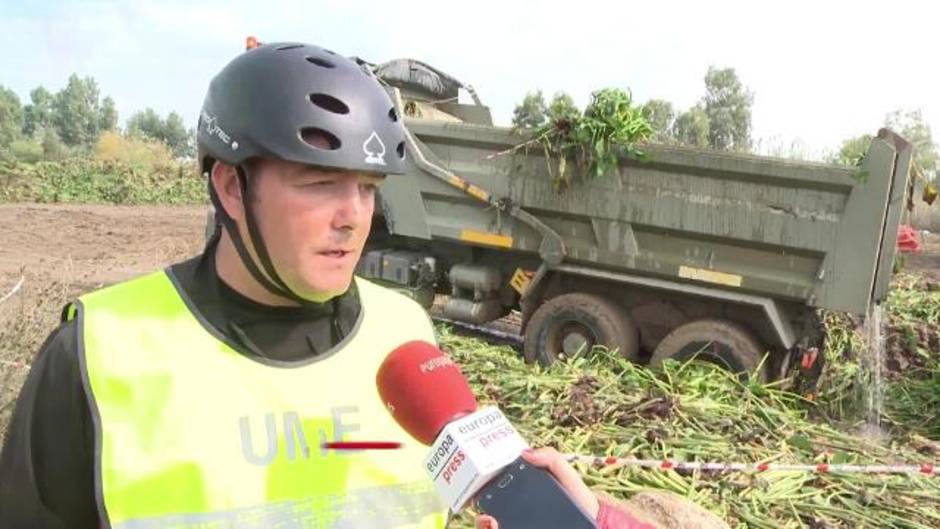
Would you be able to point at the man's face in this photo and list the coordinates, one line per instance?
(314, 223)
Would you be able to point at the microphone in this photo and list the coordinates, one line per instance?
(474, 452)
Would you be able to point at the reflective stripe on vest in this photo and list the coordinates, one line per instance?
(192, 434)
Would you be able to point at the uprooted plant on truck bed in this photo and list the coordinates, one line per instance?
(594, 140)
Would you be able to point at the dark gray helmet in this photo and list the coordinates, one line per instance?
(268, 99)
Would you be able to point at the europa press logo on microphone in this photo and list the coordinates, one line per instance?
(454, 466)
(441, 455)
(489, 418)
(444, 462)
(469, 452)
(435, 363)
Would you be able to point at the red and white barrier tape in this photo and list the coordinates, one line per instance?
(927, 469)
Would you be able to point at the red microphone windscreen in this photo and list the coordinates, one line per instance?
(423, 389)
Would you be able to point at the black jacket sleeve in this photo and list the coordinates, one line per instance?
(47, 462)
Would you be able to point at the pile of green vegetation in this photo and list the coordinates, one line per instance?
(597, 139)
(587, 144)
(120, 170)
(602, 405)
(911, 356)
(85, 180)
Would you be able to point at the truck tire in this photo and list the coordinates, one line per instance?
(722, 342)
(564, 324)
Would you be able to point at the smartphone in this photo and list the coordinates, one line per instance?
(527, 497)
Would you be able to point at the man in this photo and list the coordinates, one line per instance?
(205, 395)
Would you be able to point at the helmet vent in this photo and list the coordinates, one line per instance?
(330, 52)
(320, 139)
(290, 47)
(329, 103)
(321, 62)
(392, 115)
(401, 150)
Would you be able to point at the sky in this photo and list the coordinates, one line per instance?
(820, 71)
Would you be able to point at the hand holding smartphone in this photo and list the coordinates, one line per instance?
(523, 496)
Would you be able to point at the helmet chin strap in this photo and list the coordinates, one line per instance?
(270, 279)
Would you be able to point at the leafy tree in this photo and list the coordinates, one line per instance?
(692, 127)
(727, 103)
(721, 120)
(171, 131)
(911, 125)
(562, 107)
(75, 111)
(661, 116)
(146, 123)
(107, 115)
(11, 116)
(852, 150)
(178, 138)
(38, 114)
(531, 112)
(52, 146)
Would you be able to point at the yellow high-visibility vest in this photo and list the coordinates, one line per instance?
(192, 434)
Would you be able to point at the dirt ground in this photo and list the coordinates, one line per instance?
(51, 253)
(87, 246)
(94, 244)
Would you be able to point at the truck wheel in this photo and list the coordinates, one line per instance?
(576, 322)
(720, 342)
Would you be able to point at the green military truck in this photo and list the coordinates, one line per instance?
(689, 252)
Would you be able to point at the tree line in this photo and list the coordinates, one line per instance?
(721, 120)
(73, 119)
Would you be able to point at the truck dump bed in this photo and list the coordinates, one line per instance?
(820, 235)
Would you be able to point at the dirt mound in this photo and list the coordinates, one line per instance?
(94, 244)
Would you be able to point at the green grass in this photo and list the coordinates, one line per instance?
(607, 406)
(604, 406)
